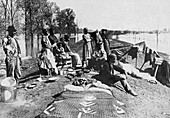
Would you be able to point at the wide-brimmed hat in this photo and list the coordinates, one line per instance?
(11, 29)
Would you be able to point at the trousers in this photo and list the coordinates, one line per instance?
(112, 79)
(13, 67)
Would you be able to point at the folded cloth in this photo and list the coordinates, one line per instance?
(80, 88)
(73, 88)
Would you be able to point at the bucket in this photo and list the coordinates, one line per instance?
(8, 90)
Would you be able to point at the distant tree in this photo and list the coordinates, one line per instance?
(45, 15)
(37, 13)
(8, 11)
(2, 22)
(66, 21)
(10, 14)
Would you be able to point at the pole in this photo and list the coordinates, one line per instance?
(136, 60)
(11, 14)
(6, 16)
(135, 37)
(157, 41)
(77, 31)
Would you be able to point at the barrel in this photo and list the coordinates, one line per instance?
(8, 90)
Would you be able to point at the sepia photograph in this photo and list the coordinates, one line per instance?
(84, 59)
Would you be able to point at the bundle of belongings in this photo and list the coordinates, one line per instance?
(88, 84)
(81, 82)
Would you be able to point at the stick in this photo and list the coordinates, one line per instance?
(136, 60)
(142, 66)
(156, 70)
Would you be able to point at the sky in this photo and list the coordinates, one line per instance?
(120, 14)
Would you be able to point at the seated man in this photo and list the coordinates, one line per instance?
(108, 76)
(76, 61)
(98, 57)
(61, 55)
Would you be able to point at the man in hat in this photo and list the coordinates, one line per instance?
(13, 54)
(111, 73)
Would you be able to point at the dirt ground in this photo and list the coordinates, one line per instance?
(153, 100)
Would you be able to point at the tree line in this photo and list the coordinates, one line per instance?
(30, 16)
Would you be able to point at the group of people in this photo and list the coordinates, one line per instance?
(56, 50)
(97, 56)
(52, 49)
(93, 43)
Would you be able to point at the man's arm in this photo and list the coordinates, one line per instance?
(6, 45)
(119, 69)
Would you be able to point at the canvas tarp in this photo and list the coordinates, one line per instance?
(163, 73)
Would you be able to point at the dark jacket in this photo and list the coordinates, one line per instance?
(107, 69)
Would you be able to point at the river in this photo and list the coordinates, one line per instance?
(150, 40)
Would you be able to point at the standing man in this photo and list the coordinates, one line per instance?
(87, 46)
(106, 42)
(111, 73)
(13, 54)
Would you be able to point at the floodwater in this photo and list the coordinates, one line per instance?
(160, 43)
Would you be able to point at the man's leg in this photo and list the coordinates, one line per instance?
(127, 88)
(17, 71)
(7, 66)
(125, 84)
(91, 64)
(10, 65)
